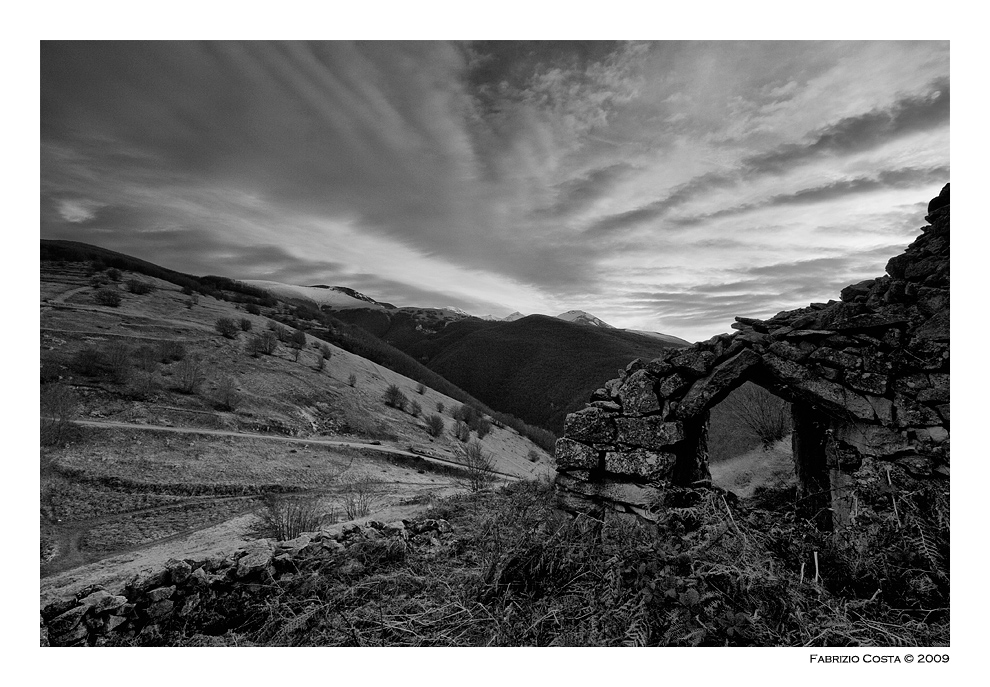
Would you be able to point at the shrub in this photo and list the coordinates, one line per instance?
(321, 363)
(245, 324)
(420, 388)
(325, 351)
(252, 309)
(98, 280)
(298, 339)
(58, 408)
(280, 332)
(439, 407)
(460, 431)
(352, 379)
(481, 471)
(227, 396)
(138, 287)
(415, 409)
(143, 385)
(187, 290)
(189, 375)
(394, 398)
(118, 361)
(107, 296)
(532, 456)
(114, 274)
(227, 327)
(193, 300)
(434, 425)
(286, 517)
(171, 351)
(359, 495)
(484, 427)
(263, 342)
(88, 361)
(766, 416)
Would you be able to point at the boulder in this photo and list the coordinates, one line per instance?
(591, 425)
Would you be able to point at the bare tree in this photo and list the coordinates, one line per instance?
(481, 470)
(58, 408)
(767, 416)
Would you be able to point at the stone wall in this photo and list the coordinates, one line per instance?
(867, 377)
(218, 588)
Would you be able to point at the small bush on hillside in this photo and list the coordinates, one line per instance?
(265, 343)
(285, 517)
(352, 379)
(394, 398)
(460, 430)
(98, 280)
(245, 324)
(171, 351)
(434, 425)
(145, 357)
(58, 408)
(325, 351)
(114, 274)
(532, 456)
(88, 361)
(359, 495)
(439, 407)
(484, 427)
(281, 332)
(193, 300)
(187, 290)
(227, 327)
(415, 409)
(252, 309)
(421, 388)
(118, 361)
(107, 296)
(481, 470)
(321, 363)
(189, 374)
(227, 396)
(298, 339)
(143, 385)
(138, 287)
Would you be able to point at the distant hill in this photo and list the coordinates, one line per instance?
(538, 368)
(582, 317)
(337, 297)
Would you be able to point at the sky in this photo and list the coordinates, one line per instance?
(668, 186)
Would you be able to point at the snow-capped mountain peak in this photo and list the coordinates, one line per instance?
(582, 317)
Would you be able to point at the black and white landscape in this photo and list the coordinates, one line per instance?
(495, 343)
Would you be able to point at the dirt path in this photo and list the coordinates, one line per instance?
(381, 448)
(115, 571)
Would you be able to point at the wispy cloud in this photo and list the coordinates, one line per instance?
(531, 176)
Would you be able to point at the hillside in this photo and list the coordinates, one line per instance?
(163, 436)
(540, 368)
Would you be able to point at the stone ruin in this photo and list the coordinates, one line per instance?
(867, 378)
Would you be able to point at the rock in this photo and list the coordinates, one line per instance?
(637, 395)
(66, 622)
(351, 566)
(649, 432)
(570, 454)
(160, 593)
(257, 559)
(670, 385)
(103, 601)
(640, 463)
(939, 201)
(696, 363)
(723, 379)
(160, 609)
(396, 528)
(591, 425)
(178, 571)
(294, 546)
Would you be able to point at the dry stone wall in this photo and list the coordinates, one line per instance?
(214, 592)
(867, 377)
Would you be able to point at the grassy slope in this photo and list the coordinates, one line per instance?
(540, 368)
(516, 572)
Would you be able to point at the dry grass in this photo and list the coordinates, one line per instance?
(518, 573)
(772, 468)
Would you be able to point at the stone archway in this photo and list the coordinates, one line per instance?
(867, 377)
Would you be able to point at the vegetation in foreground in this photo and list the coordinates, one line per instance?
(516, 572)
